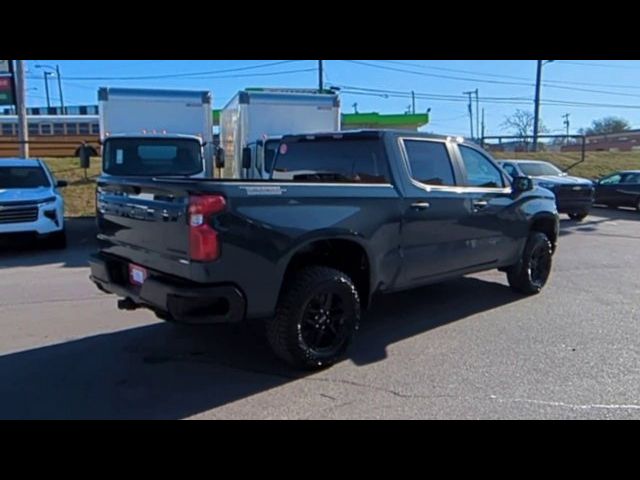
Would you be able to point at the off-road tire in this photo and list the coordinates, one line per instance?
(286, 330)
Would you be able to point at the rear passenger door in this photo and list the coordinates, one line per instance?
(607, 189)
(435, 230)
(629, 190)
(493, 224)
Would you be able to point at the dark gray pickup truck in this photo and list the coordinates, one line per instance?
(344, 216)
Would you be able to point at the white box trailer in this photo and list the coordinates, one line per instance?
(146, 113)
(254, 120)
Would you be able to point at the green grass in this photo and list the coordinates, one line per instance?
(596, 164)
(79, 195)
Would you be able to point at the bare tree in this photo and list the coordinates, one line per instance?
(521, 124)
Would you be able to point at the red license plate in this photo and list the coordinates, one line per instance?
(137, 274)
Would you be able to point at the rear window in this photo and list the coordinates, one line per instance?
(152, 157)
(331, 160)
(23, 177)
(430, 163)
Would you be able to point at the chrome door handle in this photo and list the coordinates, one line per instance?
(420, 205)
(480, 204)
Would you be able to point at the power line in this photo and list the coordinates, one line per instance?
(493, 75)
(353, 90)
(448, 77)
(588, 64)
(422, 94)
(186, 75)
(245, 75)
(548, 83)
(455, 70)
(385, 93)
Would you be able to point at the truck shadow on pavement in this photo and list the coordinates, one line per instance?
(598, 218)
(81, 241)
(164, 371)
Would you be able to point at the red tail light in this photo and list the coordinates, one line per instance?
(203, 239)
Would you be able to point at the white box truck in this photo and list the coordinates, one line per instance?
(155, 132)
(254, 120)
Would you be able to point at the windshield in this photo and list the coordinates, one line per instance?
(23, 177)
(532, 169)
(152, 157)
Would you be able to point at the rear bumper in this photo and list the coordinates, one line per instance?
(182, 301)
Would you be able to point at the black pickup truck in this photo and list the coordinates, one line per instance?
(344, 216)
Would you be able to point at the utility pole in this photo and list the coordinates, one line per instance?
(477, 113)
(536, 108)
(470, 111)
(46, 88)
(320, 75)
(413, 102)
(21, 106)
(483, 125)
(566, 122)
(536, 111)
(60, 88)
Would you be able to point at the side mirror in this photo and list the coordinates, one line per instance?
(522, 184)
(220, 157)
(246, 158)
(61, 183)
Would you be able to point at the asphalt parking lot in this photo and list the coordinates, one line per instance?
(466, 349)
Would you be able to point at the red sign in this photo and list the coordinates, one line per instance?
(7, 95)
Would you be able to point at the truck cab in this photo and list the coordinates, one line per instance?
(156, 132)
(155, 156)
(257, 158)
(254, 120)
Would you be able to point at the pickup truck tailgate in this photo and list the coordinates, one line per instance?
(144, 222)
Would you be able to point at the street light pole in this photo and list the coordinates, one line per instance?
(56, 69)
(46, 87)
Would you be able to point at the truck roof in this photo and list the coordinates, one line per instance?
(277, 95)
(379, 133)
(155, 135)
(202, 96)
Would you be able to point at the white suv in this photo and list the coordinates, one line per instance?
(30, 202)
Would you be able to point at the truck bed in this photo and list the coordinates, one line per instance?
(145, 222)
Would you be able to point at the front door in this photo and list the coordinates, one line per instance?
(435, 229)
(493, 222)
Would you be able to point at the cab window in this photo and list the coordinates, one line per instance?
(510, 169)
(611, 180)
(480, 171)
